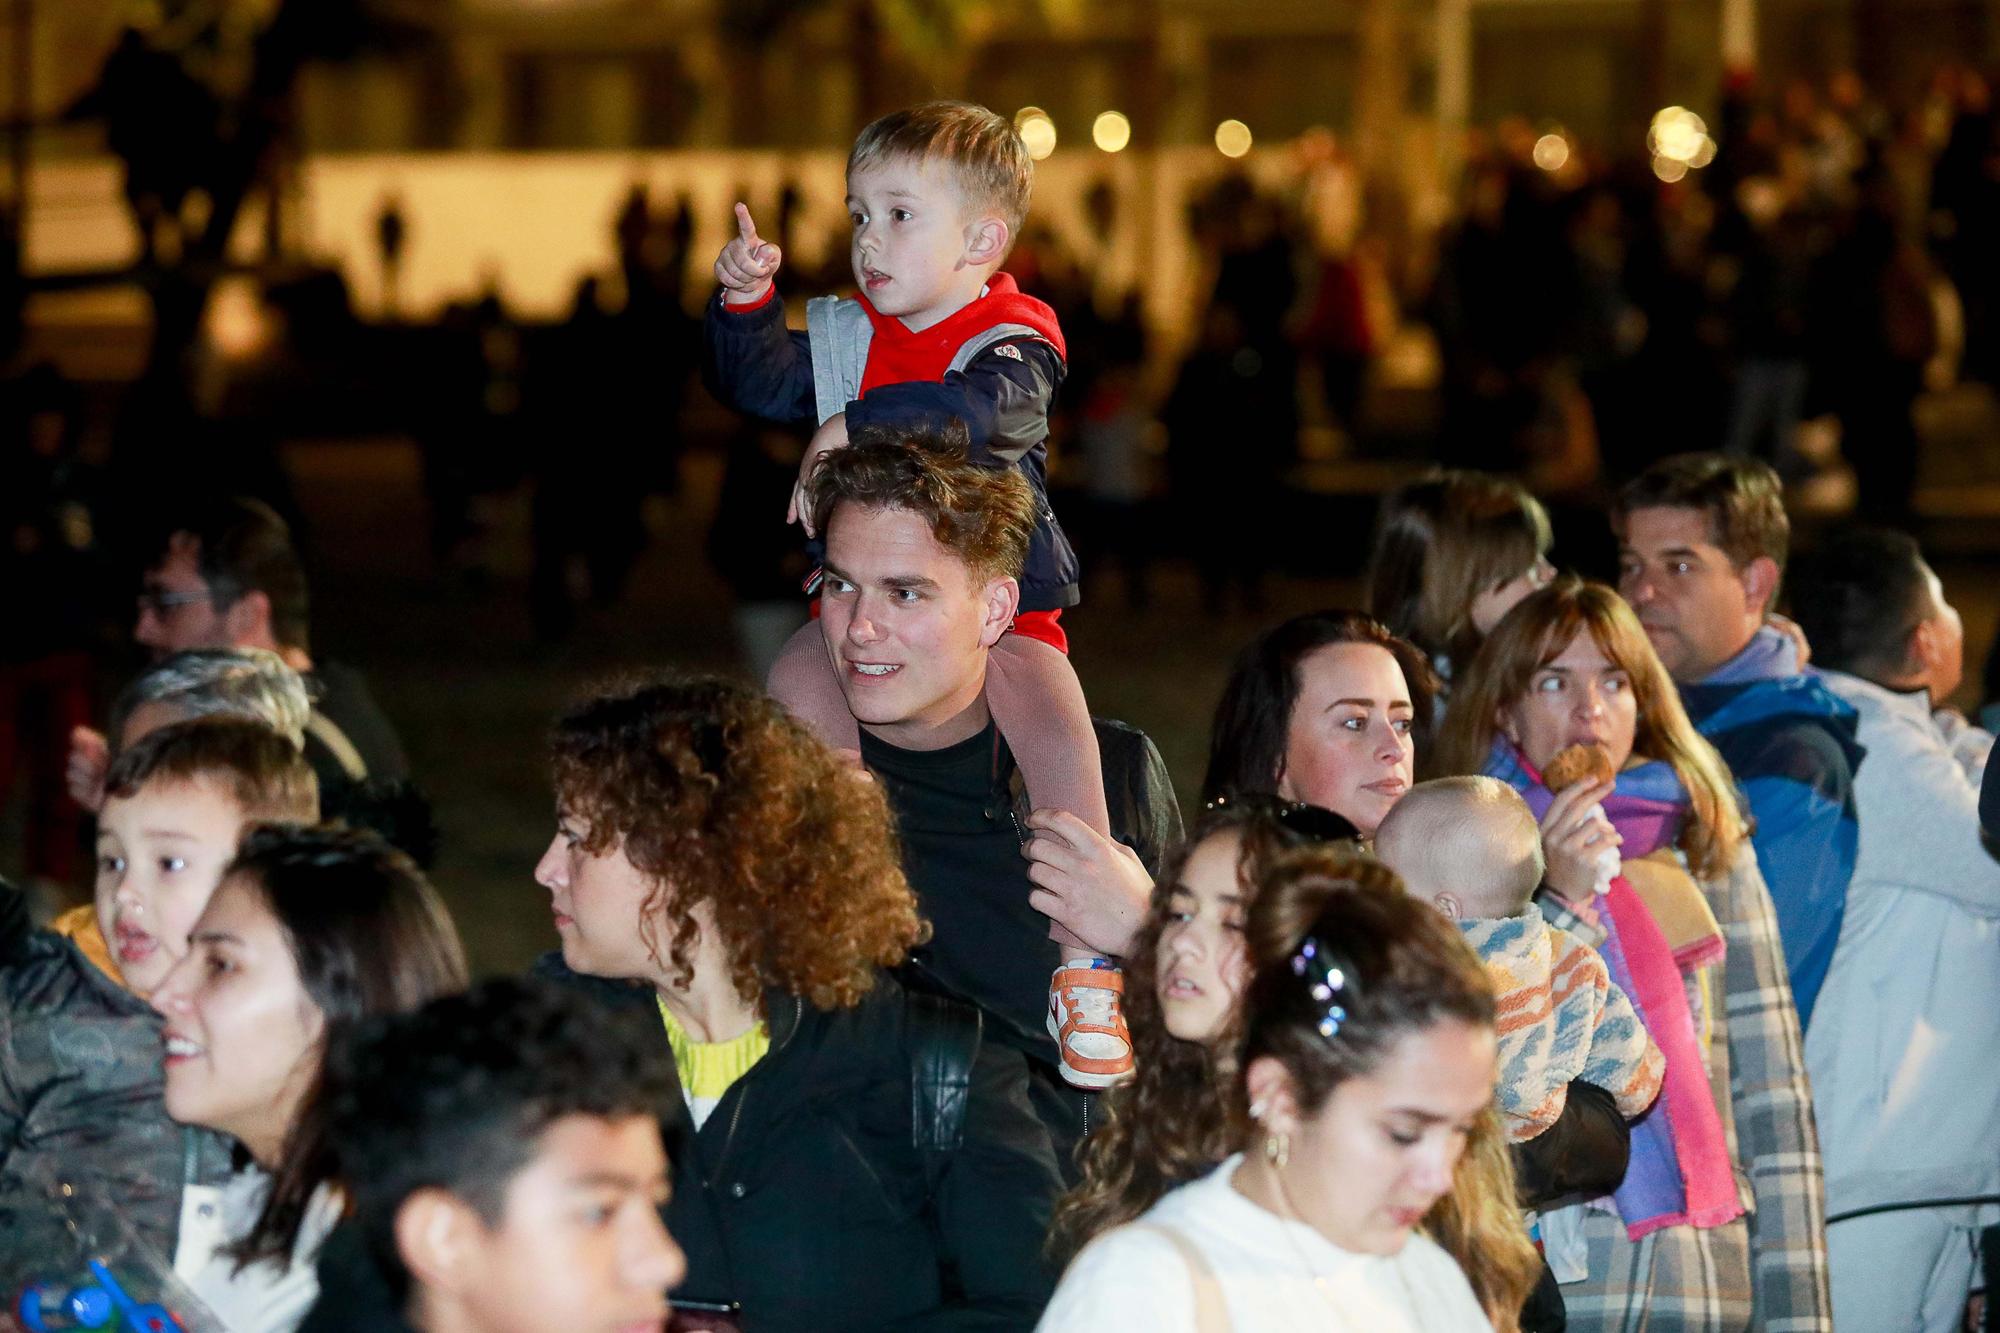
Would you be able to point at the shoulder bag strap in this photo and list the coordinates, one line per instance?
(1210, 1314)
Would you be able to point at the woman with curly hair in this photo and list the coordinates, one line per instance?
(1718, 1223)
(716, 862)
(1363, 1071)
(1184, 1112)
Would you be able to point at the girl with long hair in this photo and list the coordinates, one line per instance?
(1359, 1088)
(1454, 552)
(310, 931)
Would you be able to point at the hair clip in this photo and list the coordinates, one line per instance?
(1328, 984)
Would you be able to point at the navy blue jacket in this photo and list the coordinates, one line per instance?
(759, 367)
(1790, 743)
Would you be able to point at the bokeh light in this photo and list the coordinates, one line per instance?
(1551, 152)
(1679, 135)
(1111, 131)
(1037, 131)
(1669, 169)
(1232, 137)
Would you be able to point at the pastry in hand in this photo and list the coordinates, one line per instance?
(1578, 763)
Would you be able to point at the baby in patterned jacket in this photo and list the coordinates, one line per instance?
(1471, 846)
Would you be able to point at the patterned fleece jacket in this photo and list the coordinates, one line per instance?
(1560, 1018)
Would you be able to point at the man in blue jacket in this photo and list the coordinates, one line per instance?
(1702, 544)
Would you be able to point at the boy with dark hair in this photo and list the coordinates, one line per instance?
(938, 335)
(80, 1074)
(1702, 544)
(501, 1154)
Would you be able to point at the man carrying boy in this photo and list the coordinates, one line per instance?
(938, 338)
(505, 1177)
(80, 1073)
(920, 559)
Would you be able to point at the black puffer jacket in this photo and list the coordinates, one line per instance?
(81, 1103)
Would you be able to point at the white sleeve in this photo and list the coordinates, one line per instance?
(1918, 801)
(1130, 1277)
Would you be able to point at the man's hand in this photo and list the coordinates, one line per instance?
(1575, 834)
(1094, 886)
(747, 264)
(1792, 630)
(89, 761)
(831, 435)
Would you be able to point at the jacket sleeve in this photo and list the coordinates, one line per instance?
(1777, 1142)
(1003, 398)
(994, 1203)
(1801, 790)
(758, 366)
(1582, 1155)
(1139, 792)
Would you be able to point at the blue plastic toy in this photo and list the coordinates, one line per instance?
(46, 1307)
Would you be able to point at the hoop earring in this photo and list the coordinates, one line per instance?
(1278, 1150)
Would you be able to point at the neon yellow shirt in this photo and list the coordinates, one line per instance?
(708, 1069)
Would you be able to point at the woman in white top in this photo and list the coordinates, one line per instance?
(1367, 1061)
(310, 929)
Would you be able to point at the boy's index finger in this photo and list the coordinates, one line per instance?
(745, 227)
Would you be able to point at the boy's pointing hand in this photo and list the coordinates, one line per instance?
(746, 265)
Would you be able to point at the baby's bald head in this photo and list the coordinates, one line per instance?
(1472, 841)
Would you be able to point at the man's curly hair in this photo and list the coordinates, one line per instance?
(716, 795)
(983, 515)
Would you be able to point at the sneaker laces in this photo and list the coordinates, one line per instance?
(1096, 1006)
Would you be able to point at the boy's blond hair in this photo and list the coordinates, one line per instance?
(987, 157)
(259, 769)
(1471, 837)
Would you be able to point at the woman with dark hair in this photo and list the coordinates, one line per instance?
(1327, 709)
(1718, 1223)
(846, 1158)
(310, 930)
(1181, 1115)
(1454, 552)
(1364, 1067)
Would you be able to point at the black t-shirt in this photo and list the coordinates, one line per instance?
(962, 853)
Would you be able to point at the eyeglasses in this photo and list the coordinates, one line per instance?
(159, 601)
(1313, 822)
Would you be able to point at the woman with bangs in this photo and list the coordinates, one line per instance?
(1454, 552)
(1184, 1112)
(715, 863)
(1719, 1222)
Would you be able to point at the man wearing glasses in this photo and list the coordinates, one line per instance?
(229, 577)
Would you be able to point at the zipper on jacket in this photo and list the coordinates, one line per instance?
(743, 1089)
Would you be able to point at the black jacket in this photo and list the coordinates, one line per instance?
(804, 1197)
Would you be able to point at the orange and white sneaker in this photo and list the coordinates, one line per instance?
(1087, 1019)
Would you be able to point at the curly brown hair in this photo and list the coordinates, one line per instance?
(984, 516)
(1182, 1111)
(716, 795)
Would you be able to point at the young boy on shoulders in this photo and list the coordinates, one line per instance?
(501, 1153)
(937, 195)
(80, 1047)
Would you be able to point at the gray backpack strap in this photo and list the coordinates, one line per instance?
(999, 333)
(1211, 1315)
(328, 733)
(838, 333)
